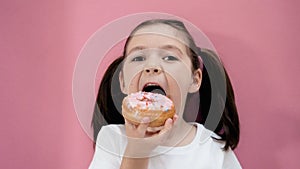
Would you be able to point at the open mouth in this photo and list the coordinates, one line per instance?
(154, 88)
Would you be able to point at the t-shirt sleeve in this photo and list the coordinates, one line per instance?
(105, 156)
(230, 161)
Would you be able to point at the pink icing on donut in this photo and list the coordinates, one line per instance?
(149, 101)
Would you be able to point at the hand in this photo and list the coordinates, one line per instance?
(142, 139)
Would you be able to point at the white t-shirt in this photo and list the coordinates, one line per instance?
(203, 152)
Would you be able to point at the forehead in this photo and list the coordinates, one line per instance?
(156, 36)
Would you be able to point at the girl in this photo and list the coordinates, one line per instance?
(163, 52)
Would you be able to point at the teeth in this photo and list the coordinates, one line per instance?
(152, 84)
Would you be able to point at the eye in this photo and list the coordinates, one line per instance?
(138, 59)
(170, 58)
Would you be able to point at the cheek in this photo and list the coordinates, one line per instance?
(133, 84)
(180, 75)
(178, 93)
(131, 80)
(131, 76)
(179, 79)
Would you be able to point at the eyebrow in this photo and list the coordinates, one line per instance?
(136, 48)
(172, 47)
(166, 47)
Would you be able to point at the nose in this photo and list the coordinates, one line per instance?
(152, 70)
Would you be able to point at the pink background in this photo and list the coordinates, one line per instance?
(40, 40)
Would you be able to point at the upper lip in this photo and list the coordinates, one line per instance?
(152, 84)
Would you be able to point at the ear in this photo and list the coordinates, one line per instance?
(122, 83)
(196, 81)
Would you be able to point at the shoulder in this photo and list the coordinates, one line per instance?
(109, 147)
(119, 128)
(110, 132)
(207, 136)
(112, 139)
(213, 145)
(210, 139)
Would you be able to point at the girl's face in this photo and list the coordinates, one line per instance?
(156, 58)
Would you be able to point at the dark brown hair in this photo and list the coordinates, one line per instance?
(109, 96)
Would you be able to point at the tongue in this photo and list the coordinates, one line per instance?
(154, 89)
(159, 91)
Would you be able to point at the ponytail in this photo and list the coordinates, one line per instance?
(228, 126)
(108, 107)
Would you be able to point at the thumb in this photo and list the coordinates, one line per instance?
(143, 125)
(167, 127)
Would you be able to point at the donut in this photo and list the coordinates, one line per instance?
(156, 106)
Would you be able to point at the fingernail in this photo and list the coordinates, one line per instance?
(169, 120)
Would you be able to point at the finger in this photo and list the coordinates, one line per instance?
(143, 125)
(129, 125)
(175, 118)
(168, 124)
(167, 127)
(154, 129)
